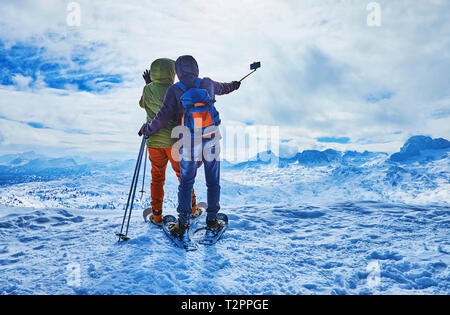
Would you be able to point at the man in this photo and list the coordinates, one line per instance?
(172, 110)
(159, 144)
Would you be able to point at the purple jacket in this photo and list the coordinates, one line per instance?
(172, 109)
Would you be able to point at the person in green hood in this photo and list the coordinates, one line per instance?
(160, 77)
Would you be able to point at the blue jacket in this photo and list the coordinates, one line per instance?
(172, 109)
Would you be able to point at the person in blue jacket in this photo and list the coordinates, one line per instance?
(172, 109)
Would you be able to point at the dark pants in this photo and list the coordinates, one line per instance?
(207, 151)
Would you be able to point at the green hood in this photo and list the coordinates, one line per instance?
(163, 71)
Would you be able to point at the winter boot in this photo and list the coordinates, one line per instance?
(156, 218)
(178, 230)
(214, 226)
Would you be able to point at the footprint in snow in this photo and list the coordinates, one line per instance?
(65, 213)
(42, 220)
(387, 255)
(439, 267)
(29, 239)
(5, 262)
(298, 214)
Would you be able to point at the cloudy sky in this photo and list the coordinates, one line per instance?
(328, 78)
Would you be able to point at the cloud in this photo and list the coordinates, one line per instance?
(21, 81)
(31, 124)
(324, 73)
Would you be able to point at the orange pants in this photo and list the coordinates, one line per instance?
(159, 158)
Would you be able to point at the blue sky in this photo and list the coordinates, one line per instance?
(343, 140)
(30, 61)
(327, 80)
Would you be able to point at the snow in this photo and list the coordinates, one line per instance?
(339, 223)
(284, 250)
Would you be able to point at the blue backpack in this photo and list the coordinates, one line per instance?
(200, 116)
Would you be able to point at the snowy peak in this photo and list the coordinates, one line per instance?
(330, 156)
(313, 157)
(422, 148)
(19, 158)
(265, 157)
(417, 148)
(26, 167)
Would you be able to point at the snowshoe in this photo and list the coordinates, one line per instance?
(178, 234)
(147, 213)
(213, 231)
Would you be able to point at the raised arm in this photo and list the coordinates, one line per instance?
(225, 88)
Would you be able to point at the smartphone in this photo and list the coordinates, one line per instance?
(255, 65)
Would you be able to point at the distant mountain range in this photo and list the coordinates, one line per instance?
(29, 166)
(416, 149)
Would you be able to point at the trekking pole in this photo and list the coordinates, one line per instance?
(143, 176)
(254, 66)
(131, 194)
(134, 193)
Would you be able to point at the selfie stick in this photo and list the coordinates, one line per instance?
(254, 66)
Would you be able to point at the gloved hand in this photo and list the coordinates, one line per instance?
(147, 77)
(236, 85)
(145, 131)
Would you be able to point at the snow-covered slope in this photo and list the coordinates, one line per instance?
(376, 179)
(317, 222)
(269, 249)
